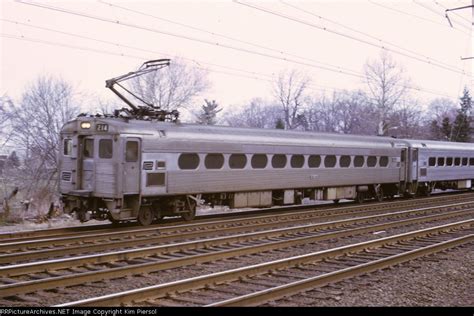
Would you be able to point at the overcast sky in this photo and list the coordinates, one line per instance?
(238, 71)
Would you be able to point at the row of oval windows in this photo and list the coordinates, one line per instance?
(450, 161)
(260, 161)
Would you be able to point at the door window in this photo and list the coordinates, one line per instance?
(131, 151)
(88, 148)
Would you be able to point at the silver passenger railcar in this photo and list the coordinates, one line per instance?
(127, 169)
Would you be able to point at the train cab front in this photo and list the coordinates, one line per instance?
(88, 167)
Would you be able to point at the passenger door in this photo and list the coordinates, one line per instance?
(87, 176)
(414, 165)
(403, 162)
(131, 169)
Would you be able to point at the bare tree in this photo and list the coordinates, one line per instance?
(439, 118)
(440, 108)
(343, 112)
(319, 113)
(386, 85)
(258, 113)
(407, 120)
(354, 115)
(289, 90)
(33, 128)
(171, 87)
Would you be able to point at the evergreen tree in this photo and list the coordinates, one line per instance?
(280, 124)
(461, 126)
(208, 113)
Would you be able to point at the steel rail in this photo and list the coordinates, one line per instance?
(65, 263)
(164, 289)
(279, 211)
(48, 253)
(278, 292)
(79, 278)
(10, 245)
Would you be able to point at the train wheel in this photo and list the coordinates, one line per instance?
(360, 197)
(191, 214)
(115, 222)
(145, 216)
(379, 193)
(81, 215)
(428, 191)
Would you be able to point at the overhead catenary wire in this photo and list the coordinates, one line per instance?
(379, 40)
(417, 16)
(186, 37)
(284, 16)
(115, 44)
(29, 39)
(437, 13)
(153, 30)
(455, 13)
(276, 50)
(251, 73)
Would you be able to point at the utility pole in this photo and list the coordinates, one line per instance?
(471, 58)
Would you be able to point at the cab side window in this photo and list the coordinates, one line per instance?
(105, 148)
(67, 147)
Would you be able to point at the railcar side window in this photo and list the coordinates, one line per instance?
(344, 161)
(383, 162)
(131, 151)
(214, 161)
(449, 161)
(105, 148)
(88, 148)
(279, 161)
(314, 161)
(188, 161)
(358, 161)
(237, 161)
(457, 161)
(297, 161)
(471, 161)
(330, 161)
(464, 161)
(440, 161)
(432, 161)
(67, 147)
(259, 161)
(371, 161)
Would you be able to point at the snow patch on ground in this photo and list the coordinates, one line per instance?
(58, 222)
(68, 221)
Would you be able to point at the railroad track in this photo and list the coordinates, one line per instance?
(260, 283)
(33, 249)
(132, 227)
(24, 251)
(85, 269)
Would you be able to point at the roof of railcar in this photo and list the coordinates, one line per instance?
(241, 135)
(431, 144)
(252, 135)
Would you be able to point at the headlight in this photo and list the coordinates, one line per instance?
(86, 125)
